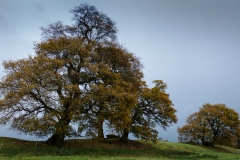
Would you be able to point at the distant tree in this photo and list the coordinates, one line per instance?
(213, 124)
(195, 131)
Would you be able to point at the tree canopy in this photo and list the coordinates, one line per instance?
(154, 108)
(90, 25)
(80, 80)
(213, 124)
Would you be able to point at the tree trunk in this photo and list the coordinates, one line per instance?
(214, 139)
(124, 137)
(56, 140)
(100, 130)
(100, 133)
(203, 141)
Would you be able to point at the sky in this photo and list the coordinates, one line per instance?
(193, 46)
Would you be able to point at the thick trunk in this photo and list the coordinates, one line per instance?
(124, 137)
(207, 143)
(56, 140)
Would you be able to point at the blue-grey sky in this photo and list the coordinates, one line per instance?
(193, 46)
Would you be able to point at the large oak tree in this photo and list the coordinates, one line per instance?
(66, 81)
(80, 80)
(44, 94)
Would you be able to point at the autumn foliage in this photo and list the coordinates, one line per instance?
(212, 124)
(80, 82)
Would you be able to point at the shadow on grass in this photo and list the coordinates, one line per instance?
(54, 151)
(184, 155)
(112, 148)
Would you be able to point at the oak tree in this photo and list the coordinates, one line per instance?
(66, 81)
(47, 93)
(195, 130)
(213, 124)
(154, 108)
(81, 76)
(112, 98)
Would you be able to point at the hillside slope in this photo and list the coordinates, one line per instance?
(80, 148)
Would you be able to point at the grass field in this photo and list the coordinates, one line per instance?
(111, 149)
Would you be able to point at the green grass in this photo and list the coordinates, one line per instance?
(111, 149)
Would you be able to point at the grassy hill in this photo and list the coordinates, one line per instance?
(110, 149)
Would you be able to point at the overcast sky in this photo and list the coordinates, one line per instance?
(192, 45)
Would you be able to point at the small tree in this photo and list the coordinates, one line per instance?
(213, 124)
(154, 108)
(195, 130)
